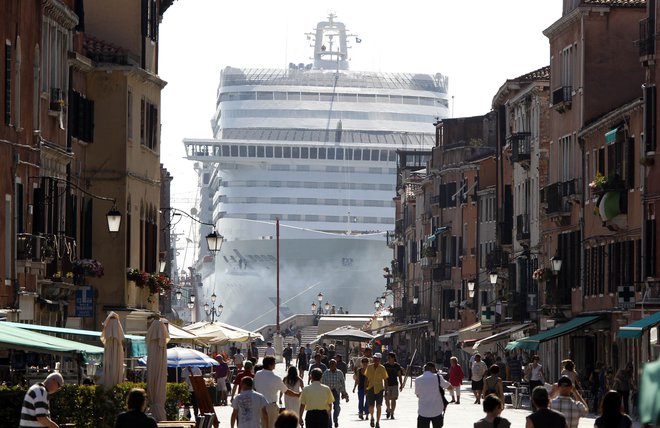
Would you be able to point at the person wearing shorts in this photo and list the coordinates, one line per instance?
(394, 379)
(376, 382)
(479, 370)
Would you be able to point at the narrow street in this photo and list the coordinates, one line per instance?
(463, 415)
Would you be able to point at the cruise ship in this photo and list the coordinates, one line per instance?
(313, 145)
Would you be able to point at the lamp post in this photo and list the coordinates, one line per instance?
(556, 263)
(470, 286)
(211, 309)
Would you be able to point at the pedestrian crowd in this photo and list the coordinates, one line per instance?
(260, 398)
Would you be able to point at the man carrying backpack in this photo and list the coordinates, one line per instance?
(429, 388)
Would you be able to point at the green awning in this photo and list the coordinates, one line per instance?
(635, 329)
(511, 346)
(610, 136)
(63, 330)
(533, 342)
(138, 345)
(26, 340)
(431, 237)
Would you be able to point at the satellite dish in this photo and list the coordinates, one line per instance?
(193, 211)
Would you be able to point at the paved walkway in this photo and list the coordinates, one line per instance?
(463, 415)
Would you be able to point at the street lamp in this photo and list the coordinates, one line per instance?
(192, 298)
(327, 306)
(211, 310)
(214, 241)
(383, 299)
(320, 297)
(161, 265)
(415, 300)
(470, 285)
(493, 277)
(377, 304)
(556, 264)
(191, 304)
(313, 308)
(178, 294)
(114, 219)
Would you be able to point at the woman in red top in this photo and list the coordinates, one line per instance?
(455, 379)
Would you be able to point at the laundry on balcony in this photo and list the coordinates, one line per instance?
(436, 232)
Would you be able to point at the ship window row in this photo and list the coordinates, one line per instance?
(307, 201)
(290, 152)
(309, 185)
(328, 97)
(314, 218)
(324, 114)
(331, 168)
(344, 136)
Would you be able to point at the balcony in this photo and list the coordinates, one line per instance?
(561, 98)
(497, 258)
(554, 197)
(522, 227)
(520, 147)
(442, 272)
(435, 200)
(646, 40)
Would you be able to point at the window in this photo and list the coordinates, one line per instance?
(567, 56)
(81, 117)
(55, 43)
(148, 124)
(129, 115)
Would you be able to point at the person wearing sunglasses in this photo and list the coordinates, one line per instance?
(36, 409)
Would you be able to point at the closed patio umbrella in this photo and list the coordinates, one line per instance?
(112, 337)
(157, 338)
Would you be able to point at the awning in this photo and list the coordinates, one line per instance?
(610, 136)
(503, 335)
(445, 338)
(636, 329)
(406, 327)
(26, 340)
(533, 342)
(63, 330)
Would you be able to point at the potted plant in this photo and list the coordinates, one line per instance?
(541, 274)
(86, 268)
(139, 278)
(57, 277)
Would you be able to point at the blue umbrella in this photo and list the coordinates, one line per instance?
(184, 357)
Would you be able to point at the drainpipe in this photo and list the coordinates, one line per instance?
(583, 271)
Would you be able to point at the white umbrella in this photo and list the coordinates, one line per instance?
(349, 333)
(184, 357)
(112, 337)
(157, 338)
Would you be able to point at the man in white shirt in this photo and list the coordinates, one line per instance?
(249, 406)
(270, 351)
(479, 371)
(430, 408)
(270, 385)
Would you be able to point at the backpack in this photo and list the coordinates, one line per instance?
(445, 403)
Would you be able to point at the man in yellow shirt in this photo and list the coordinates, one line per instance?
(317, 399)
(375, 385)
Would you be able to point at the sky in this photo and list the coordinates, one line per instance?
(478, 44)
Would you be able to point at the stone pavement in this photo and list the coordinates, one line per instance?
(462, 415)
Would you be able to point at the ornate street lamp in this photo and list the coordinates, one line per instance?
(191, 304)
(214, 241)
(383, 299)
(178, 294)
(114, 219)
(376, 304)
(313, 308)
(493, 277)
(327, 306)
(556, 264)
(320, 297)
(470, 285)
(415, 300)
(192, 298)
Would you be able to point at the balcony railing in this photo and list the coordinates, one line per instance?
(520, 146)
(497, 258)
(554, 197)
(522, 227)
(646, 37)
(442, 272)
(561, 98)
